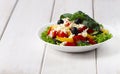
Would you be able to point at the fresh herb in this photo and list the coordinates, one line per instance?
(92, 25)
(66, 15)
(77, 15)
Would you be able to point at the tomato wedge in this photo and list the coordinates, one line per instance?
(90, 31)
(54, 33)
(67, 24)
(62, 34)
(70, 44)
(91, 41)
(77, 38)
(82, 29)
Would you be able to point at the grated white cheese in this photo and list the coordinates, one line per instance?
(76, 25)
(62, 28)
(65, 20)
(71, 36)
(84, 33)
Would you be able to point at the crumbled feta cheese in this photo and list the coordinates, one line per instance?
(62, 28)
(76, 25)
(71, 36)
(79, 33)
(84, 33)
(81, 25)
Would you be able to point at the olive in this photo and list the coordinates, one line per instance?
(74, 30)
(78, 21)
(60, 21)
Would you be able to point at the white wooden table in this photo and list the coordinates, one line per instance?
(21, 51)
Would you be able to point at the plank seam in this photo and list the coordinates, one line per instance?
(52, 11)
(93, 9)
(96, 61)
(43, 58)
(95, 49)
(44, 53)
(6, 24)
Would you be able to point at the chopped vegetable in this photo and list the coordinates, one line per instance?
(102, 37)
(45, 36)
(64, 39)
(70, 44)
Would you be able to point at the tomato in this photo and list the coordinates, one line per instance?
(62, 34)
(82, 29)
(70, 44)
(90, 31)
(77, 38)
(67, 24)
(91, 41)
(54, 33)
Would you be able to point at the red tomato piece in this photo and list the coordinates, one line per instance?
(77, 38)
(62, 34)
(67, 24)
(54, 33)
(82, 29)
(70, 44)
(90, 31)
(91, 41)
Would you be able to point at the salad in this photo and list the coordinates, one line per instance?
(76, 29)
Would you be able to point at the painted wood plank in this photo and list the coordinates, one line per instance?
(108, 56)
(20, 48)
(6, 7)
(56, 62)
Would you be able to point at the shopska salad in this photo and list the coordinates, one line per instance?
(76, 29)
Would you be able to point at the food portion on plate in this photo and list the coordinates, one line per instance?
(76, 29)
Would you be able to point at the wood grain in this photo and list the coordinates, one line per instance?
(6, 8)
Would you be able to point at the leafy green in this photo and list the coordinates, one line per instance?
(88, 21)
(102, 37)
(91, 25)
(77, 15)
(46, 38)
(66, 15)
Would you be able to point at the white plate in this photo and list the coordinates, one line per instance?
(74, 48)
